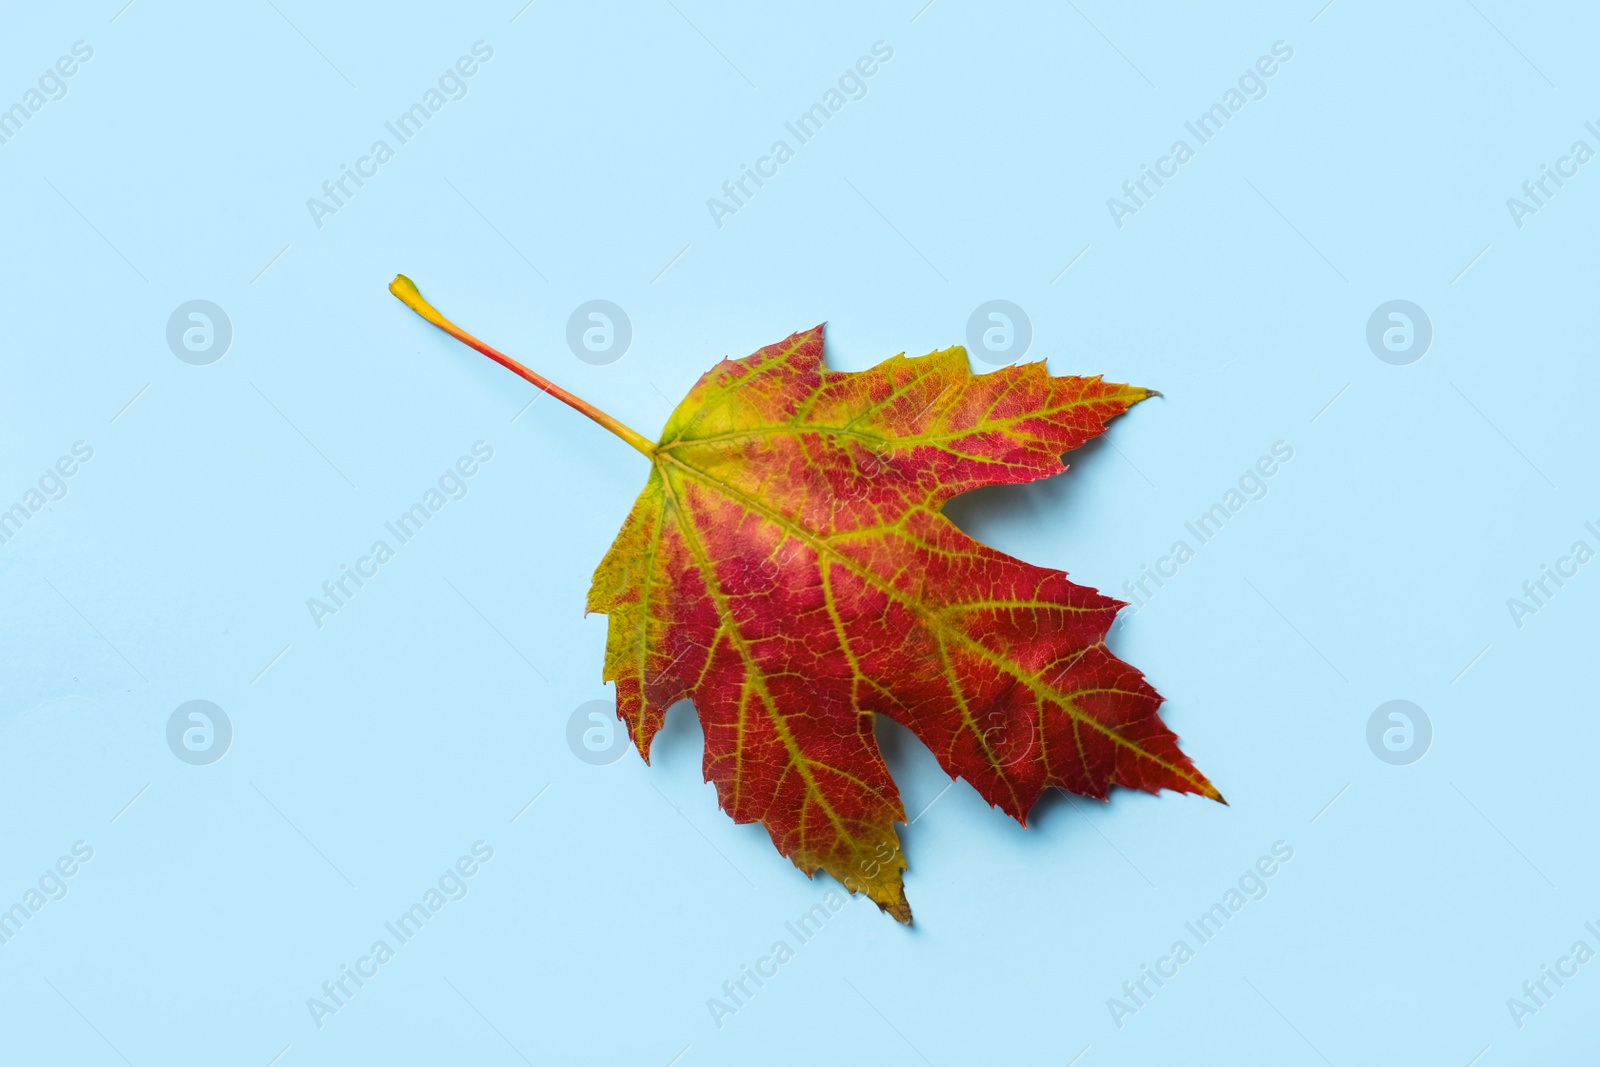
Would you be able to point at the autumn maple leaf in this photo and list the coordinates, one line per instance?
(788, 568)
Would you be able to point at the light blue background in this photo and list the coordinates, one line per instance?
(371, 753)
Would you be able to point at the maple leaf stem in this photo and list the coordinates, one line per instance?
(406, 291)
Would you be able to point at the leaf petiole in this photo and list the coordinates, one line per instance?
(405, 290)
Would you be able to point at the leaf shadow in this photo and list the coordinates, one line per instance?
(989, 514)
(680, 735)
(986, 513)
(1058, 820)
(678, 750)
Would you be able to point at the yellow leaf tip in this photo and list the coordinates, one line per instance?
(899, 909)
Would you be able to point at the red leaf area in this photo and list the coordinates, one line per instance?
(788, 568)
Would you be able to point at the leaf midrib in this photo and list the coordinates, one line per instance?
(934, 622)
(797, 758)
